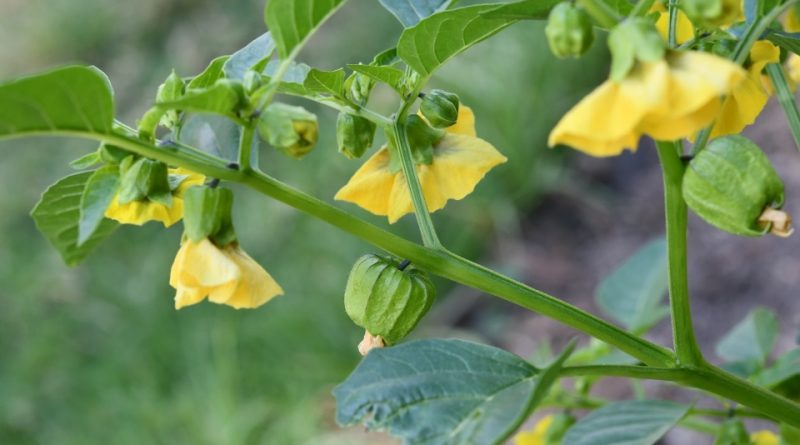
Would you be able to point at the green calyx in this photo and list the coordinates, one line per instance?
(635, 39)
(292, 130)
(386, 298)
(569, 30)
(354, 135)
(207, 214)
(421, 138)
(730, 184)
(144, 179)
(440, 108)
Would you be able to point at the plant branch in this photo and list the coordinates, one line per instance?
(246, 147)
(684, 340)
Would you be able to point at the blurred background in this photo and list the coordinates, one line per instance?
(97, 353)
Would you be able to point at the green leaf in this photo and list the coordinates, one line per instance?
(212, 73)
(253, 54)
(444, 392)
(86, 161)
(291, 22)
(634, 292)
(221, 98)
(783, 376)
(67, 99)
(325, 82)
(639, 422)
(752, 339)
(57, 216)
(389, 75)
(524, 10)
(410, 12)
(436, 39)
(97, 196)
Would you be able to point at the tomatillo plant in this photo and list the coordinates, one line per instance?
(699, 71)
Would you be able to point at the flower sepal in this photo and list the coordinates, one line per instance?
(635, 39)
(144, 179)
(292, 130)
(440, 108)
(207, 214)
(354, 135)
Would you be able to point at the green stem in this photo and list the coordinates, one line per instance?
(699, 425)
(672, 34)
(245, 147)
(601, 13)
(685, 343)
(457, 269)
(428, 231)
(786, 99)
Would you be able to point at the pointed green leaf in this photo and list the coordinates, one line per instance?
(97, 196)
(524, 10)
(436, 39)
(639, 422)
(444, 392)
(67, 99)
(410, 12)
(783, 376)
(389, 75)
(325, 82)
(634, 292)
(57, 216)
(752, 339)
(788, 41)
(291, 22)
(253, 54)
(212, 73)
(86, 161)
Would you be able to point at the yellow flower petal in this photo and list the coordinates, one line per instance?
(606, 121)
(226, 276)
(255, 287)
(537, 436)
(764, 437)
(465, 123)
(684, 30)
(140, 212)
(793, 65)
(191, 179)
(792, 22)
(371, 185)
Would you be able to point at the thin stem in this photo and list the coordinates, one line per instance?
(627, 371)
(672, 33)
(786, 99)
(685, 343)
(699, 425)
(426, 228)
(601, 13)
(245, 147)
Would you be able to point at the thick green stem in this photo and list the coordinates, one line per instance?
(672, 30)
(246, 147)
(786, 99)
(685, 343)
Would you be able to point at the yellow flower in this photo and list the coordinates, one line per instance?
(667, 99)
(684, 30)
(744, 104)
(225, 275)
(764, 437)
(537, 436)
(460, 161)
(141, 211)
(793, 65)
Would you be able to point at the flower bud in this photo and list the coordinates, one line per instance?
(635, 39)
(145, 179)
(569, 30)
(207, 214)
(440, 108)
(252, 81)
(354, 134)
(359, 87)
(732, 186)
(293, 130)
(387, 298)
(712, 12)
